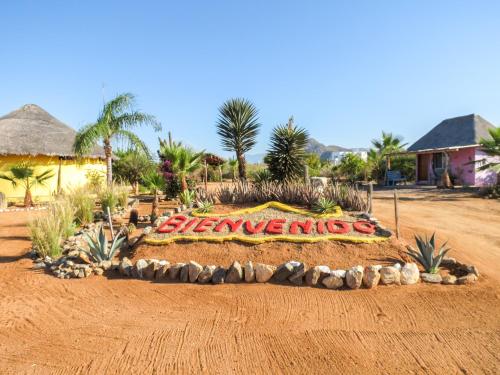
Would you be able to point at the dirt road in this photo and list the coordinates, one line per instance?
(116, 326)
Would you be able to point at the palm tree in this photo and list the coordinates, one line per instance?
(238, 126)
(155, 183)
(114, 122)
(184, 160)
(286, 155)
(492, 148)
(233, 164)
(24, 174)
(388, 144)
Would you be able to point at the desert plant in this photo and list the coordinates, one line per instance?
(99, 247)
(204, 206)
(131, 165)
(492, 148)
(324, 205)
(108, 198)
(261, 175)
(155, 182)
(238, 126)
(114, 122)
(122, 192)
(187, 197)
(286, 155)
(225, 194)
(83, 204)
(95, 180)
(24, 174)
(425, 255)
(182, 160)
(347, 196)
(352, 167)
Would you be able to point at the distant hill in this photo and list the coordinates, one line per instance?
(319, 148)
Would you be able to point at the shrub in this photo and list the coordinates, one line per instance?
(425, 255)
(122, 192)
(324, 205)
(204, 206)
(48, 230)
(347, 196)
(261, 175)
(98, 244)
(83, 205)
(187, 197)
(351, 168)
(108, 198)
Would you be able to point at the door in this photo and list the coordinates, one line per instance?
(423, 167)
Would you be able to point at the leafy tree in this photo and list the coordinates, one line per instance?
(492, 148)
(286, 155)
(114, 122)
(155, 182)
(24, 174)
(233, 165)
(131, 165)
(352, 167)
(183, 160)
(314, 163)
(238, 126)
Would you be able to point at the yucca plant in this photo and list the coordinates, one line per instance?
(187, 197)
(204, 206)
(324, 206)
(426, 250)
(99, 247)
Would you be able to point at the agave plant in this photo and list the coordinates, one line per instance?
(426, 250)
(324, 205)
(204, 206)
(187, 197)
(99, 247)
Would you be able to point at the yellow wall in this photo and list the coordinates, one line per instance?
(73, 173)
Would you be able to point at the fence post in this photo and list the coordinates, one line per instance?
(396, 212)
(370, 195)
(206, 177)
(306, 174)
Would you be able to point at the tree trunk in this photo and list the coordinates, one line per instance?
(241, 166)
(136, 188)
(28, 200)
(108, 151)
(184, 184)
(154, 209)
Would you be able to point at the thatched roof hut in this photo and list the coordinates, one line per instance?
(32, 131)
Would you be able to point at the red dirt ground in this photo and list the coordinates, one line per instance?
(116, 326)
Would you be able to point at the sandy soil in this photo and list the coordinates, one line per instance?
(100, 325)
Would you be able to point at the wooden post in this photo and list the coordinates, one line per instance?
(220, 173)
(110, 220)
(206, 177)
(59, 176)
(396, 212)
(369, 198)
(306, 174)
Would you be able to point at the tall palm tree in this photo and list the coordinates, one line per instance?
(184, 160)
(114, 122)
(388, 144)
(24, 174)
(492, 148)
(238, 126)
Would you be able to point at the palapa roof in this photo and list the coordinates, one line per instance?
(30, 130)
(454, 132)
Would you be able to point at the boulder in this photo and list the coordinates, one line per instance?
(105, 265)
(39, 265)
(297, 278)
(333, 282)
(433, 278)
(472, 269)
(397, 266)
(467, 279)
(449, 280)
(409, 274)
(390, 275)
(448, 262)
(234, 273)
(162, 272)
(98, 271)
(184, 274)
(138, 270)
(338, 273)
(249, 272)
(219, 275)
(125, 267)
(175, 270)
(283, 272)
(371, 277)
(150, 271)
(354, 277)
(206, 275)
(315, 275)
(194, 271)
(263, 272)
(87, 271)
(84, 257)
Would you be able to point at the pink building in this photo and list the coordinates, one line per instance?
(454, 143)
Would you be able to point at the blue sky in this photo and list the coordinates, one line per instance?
(346, 70)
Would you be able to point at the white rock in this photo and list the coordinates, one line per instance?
(397, 266)
(338, 273)
(410, 274)
(263, 272)
(324, 269)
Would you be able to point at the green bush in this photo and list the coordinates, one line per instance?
(108, 198)
(83, 205)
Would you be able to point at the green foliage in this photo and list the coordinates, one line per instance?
(95, 180)
(204, 206)
(99, 246)
(425, 255)
(286, 155)
(238, 126)
(324, 205)
(187, 196)
(83, 204)
(261, 175)
(388, 144)
(492, 148)
(131, 165)
(406, 164)
(314, 163)
(108, 198)
(351, 168)
(153, 181)
(49, 229)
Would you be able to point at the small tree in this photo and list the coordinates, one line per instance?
(352, 167)
(131, 166)
(286, 155)
(24, 174)
(155, 182)
(238, 126)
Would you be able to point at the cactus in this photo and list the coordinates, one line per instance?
(426, 250)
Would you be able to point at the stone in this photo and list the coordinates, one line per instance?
(433, 278)
(472, 269)
(81, 274)
(263, 272)
(312, 276)
(449, 280)
(219, 275)
(194, 271)
(73, 253)
(175, 270)
(39, 265)
(105, 264)
(125, 267)
(234, 273)
(115, 264)
(371, 277)
(138, 270)
(448, 262)
(409, 274)
(184, 274)
(338, 273)
(83, 256)
(283, 272)
(397, 266)
(205, 276)
(249, 272)
(147, 230)
(297, 278)
(390, 275)
(87, 271)
(467, 279)
(333, 282)
(354, 277)
(98, 271)
(162, 271)
(150, 271)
